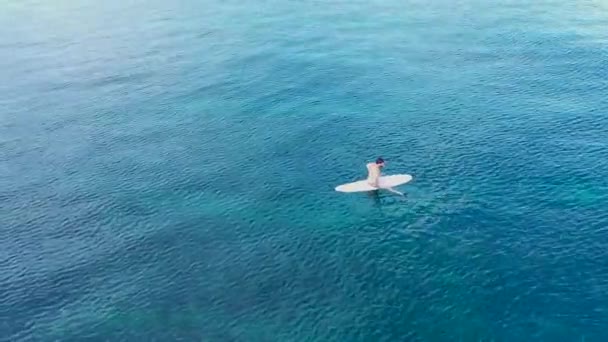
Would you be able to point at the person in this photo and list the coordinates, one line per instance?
(373, 172)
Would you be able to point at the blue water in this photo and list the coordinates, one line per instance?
(167, 170)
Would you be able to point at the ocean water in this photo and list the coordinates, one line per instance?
(167, 170)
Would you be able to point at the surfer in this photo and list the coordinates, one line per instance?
(375, 180)
(373, 172)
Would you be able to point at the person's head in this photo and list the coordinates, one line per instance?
(380, 162)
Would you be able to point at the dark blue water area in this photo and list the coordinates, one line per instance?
(167, 171)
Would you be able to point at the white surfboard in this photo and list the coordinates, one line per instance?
(383, 182)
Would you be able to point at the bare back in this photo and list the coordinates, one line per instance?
(373, 173)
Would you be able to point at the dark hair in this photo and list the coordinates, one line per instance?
(379, 160)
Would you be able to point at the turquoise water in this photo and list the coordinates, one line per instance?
(167, 170)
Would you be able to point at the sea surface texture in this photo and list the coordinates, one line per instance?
(167, 170)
